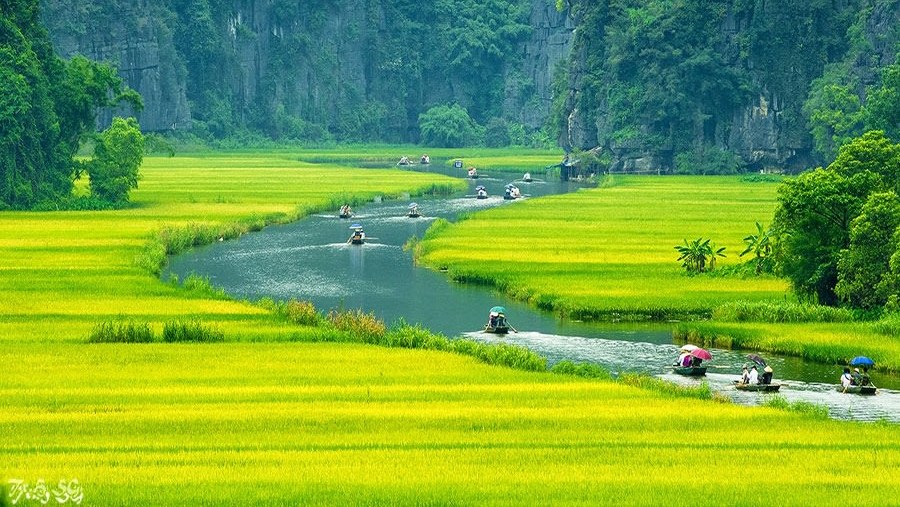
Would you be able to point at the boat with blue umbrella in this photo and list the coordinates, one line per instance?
(860, 382)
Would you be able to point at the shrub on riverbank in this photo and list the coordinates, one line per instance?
(121, 331)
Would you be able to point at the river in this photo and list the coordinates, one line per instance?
(311, 260)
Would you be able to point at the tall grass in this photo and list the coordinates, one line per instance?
(191, 330)
(121, 331)
(747, 311)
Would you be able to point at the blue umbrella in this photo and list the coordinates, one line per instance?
(862, 361)
(413, 205)
(356, 226)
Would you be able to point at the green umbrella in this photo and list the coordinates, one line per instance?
(498, 309)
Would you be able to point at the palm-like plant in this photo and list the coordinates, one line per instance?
(697, 254)
(761, 246)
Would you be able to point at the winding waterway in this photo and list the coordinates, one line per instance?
(312, 260)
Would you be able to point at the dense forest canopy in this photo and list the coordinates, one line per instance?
(47, 108)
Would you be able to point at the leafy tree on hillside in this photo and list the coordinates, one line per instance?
(883, 104)
(449, 127)
(835, 117)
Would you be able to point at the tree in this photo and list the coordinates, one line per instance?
(815, 211)
(835, 116)
(448, 127)
(46, 107)
(883, 104)
(117, 158)
(699, 255)
(761, 246)
(862, 267)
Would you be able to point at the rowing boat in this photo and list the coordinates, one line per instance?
(690, 371)
(766, 388)
(857, 389)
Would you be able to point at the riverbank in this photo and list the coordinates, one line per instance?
(608, 254)
(273, 423)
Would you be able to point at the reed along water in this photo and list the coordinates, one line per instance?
(312, 260)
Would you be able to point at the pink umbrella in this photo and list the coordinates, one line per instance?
(701, 354)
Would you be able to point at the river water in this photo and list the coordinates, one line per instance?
(312, 260)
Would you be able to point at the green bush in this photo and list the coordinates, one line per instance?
(191, 331)
(121, 331)
(449, 127)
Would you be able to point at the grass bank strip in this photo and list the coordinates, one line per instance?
(831, 343)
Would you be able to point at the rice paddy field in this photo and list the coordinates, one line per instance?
(316, 424)
(611, 250)
(273, 417)
(608, 254)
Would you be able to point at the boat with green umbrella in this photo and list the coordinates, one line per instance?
(497, 322)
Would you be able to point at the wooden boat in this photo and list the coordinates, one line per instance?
(496, 329)
(690, 371)
(413, 214)
(345, 215)
(857, 389)
(766, 388)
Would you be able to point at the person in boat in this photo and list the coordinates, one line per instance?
(425, 159)
(515, 192)
(767, 375)
(681, 359)
(496, 320)
(345, 210)
(753, 378)
(404, 160)
(864, 379)
(695, 362)
(846, 379)
(527, 177)
(856, 377)
(745, 375)
(473, 173)
(358, 235)
(687, 361)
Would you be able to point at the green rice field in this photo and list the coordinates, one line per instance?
(608, 254)
(611, 250)
(276, 416)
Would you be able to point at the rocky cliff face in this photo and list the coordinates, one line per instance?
(776, 55)
(293, 67)
(138, 43)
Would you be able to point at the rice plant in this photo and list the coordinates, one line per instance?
(121, 331)
(191, 330)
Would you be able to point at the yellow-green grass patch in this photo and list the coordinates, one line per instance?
(611, 249)
(61, 272)
(242, 424)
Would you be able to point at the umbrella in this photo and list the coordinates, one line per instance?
(688, 347)
(862, 361)
(413, 205)
(756, 359)
(701, 354)
(498, 309)
(356, 226)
